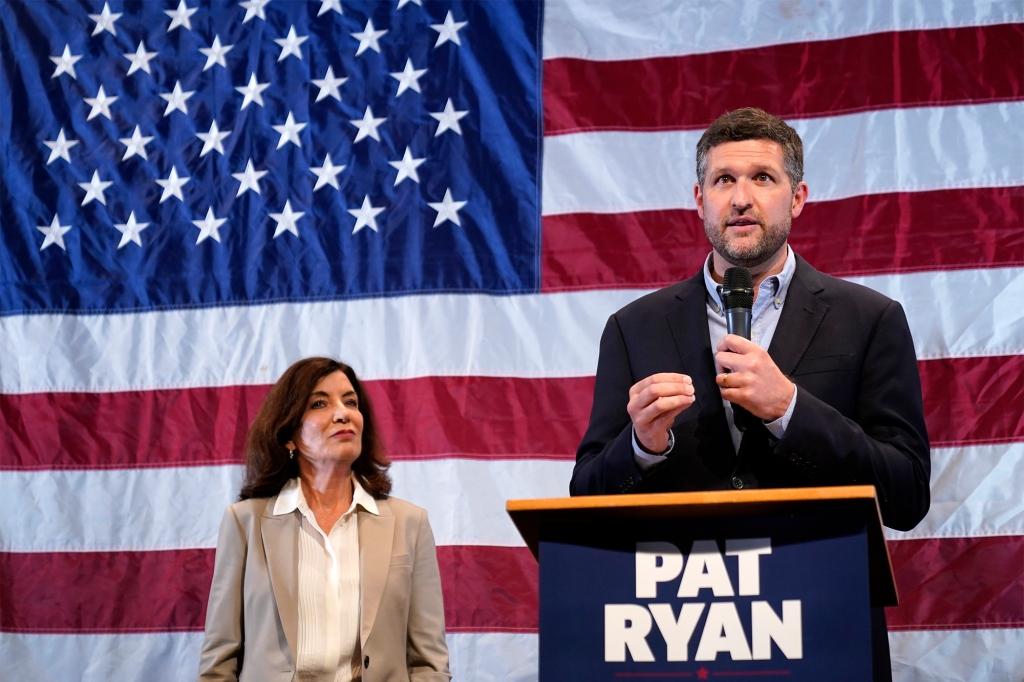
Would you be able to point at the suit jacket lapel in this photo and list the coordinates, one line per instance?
(376, 536)
(688, 321)
(281, 544)
(801, 316)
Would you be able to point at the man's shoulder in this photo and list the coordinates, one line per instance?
(834, 290)
(659, 301)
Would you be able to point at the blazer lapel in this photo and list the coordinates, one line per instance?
(281, 544)
(688, 321)
(801, 316)
(376, 536)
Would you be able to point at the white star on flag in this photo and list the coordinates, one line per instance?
(249, 179)
(59, 147)
(130, 231)
(176, 99)
(215, 53)
(407, 167)
(329, 85)
(180, 16)
(289, 132)
(209, 226)
(328, 5)
(368, 38)
(100, 105)
(367, 125)
(213, 140)
(449, 30)
(94, 189)
(139, 59)
(172, 186)
(54, 233)
(409, 78)
(136, 145)
(286, 220)
(105, 21)
(326, 174)
(448, 119)
(65, 63)
(253, 91)
(290, 44)
(447, 209)
(403, 3)
(366, 215)
(254, 8)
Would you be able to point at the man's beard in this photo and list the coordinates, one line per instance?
(768, 244)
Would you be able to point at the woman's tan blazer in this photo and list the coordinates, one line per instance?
(252, 617)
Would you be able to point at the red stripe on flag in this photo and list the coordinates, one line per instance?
(798, 80)
(863, 235)
(967, 401)
(957, 583)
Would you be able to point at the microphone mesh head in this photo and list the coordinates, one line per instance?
(737, 289)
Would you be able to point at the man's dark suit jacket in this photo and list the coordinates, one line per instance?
(858, 419)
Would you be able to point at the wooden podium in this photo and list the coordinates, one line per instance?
(744, 584)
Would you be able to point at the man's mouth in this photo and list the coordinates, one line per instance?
(742, 222)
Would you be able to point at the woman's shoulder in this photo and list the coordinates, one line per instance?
(402, 508)
(253, 508)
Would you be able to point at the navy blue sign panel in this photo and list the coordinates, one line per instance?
(700, 599)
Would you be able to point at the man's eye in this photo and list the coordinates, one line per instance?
(763, 177)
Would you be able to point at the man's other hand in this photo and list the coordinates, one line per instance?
(654, 403)
(755, 382)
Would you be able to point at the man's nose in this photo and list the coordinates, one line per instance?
(741, 197)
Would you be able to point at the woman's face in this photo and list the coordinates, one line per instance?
(332, 425)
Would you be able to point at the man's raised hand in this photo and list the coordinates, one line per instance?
(654, 403)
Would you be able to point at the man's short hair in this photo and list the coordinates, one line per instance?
(753, 124)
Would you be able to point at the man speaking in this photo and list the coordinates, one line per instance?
(828, 381)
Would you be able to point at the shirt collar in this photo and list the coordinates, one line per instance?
(291, 498)
(779, 283)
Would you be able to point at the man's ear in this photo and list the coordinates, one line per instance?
(698, 196)
(799, 199)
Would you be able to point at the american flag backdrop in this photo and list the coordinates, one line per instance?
(452, 197)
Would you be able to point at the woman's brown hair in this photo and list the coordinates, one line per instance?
(267, 464)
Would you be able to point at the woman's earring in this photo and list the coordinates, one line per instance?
(291, 454)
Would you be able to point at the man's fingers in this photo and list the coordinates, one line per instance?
(656, 379)
(661, 408)
(736, 344)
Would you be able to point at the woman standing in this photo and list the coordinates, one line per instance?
(319, 574)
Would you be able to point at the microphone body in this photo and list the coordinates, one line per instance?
(738, 303)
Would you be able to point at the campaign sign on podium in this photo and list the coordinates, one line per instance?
(706, 590)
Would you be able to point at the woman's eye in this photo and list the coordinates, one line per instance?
(353, 404)
(318, 403)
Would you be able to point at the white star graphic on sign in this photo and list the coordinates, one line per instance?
(105, 21)
(409, 78)
(290, 44)
(180, 16)
(65, 63)
(286, 220)
(209, 226)
(366, 215)
(254, 8)
(289, 132)
(139, 59)
(94, 189)
(449, 30)
(54, 233)
(136, 145)
(448, 119)
(59, 147)
(249, 179)
(172, 186)
(215, 53)
(100, 105)
(367, 125)
(368, 38)
(328, 5)
(329, 85)
(130, 231)
(213, 140)
(326, 174)
(447, 209)
(403, 3)
(253, 91)
(407, 167)
(176, 99)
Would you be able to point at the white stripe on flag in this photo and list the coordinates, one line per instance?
(606, 31)
(887, 151)
(493, 657)
(956, 313)
(958, 655)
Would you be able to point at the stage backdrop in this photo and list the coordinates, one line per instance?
(453, 197)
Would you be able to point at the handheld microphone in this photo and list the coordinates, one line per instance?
(738, 302)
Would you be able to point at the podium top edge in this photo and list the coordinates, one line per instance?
(725, 497)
